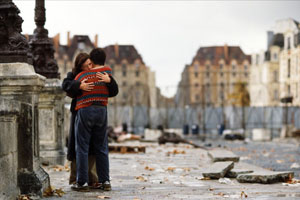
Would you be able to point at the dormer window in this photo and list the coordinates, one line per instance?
(288, 42)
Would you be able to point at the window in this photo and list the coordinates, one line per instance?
(257, 59)
(221, 95)
(288, 43)
(137, 73)
(289, 68)
(289, 90)
(245, 67)
(196, 85)
(137, 83)
(221, 74)
(276, 96)
(207, 93)
(137, 65)
(275, 76)
(124, 96)
(246, 74)
(207, 67)
(196, 67)
(221, 66)
(233, 73)
(124, 83)
(207, 74)
(233, 66)
(124, 73)
(196, 74)
(197, 97)
(274, 56)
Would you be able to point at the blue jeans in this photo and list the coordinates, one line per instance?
(91, 121)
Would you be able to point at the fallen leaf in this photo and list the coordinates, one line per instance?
(186, 169)
(103, 197)
(243, 194)
(24, 197)
(205, 178)
(279, 161)
(149, 168)
(220, 194)
(50, 191)
(211, 189)
(171, 169)
(59, 192)
(140, 178)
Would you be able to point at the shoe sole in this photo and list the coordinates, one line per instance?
(106, 188)
(81, 189)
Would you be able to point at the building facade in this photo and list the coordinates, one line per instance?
(212, 75)
(275, 72)
(136, 80)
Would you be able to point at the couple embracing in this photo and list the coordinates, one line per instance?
(90, 84)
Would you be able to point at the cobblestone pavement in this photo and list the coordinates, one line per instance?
(277, 155)
(170, 172)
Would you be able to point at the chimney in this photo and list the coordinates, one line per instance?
(270, 36)
(226, 53)
(117, 50)
(96, 41)
(68, 39)
(56, 41)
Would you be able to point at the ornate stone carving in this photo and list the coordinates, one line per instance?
(41, 47)
(13, 45)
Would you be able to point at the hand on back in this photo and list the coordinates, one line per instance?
(86, 86)
(103, 77)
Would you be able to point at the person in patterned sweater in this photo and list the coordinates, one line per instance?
(91, 120)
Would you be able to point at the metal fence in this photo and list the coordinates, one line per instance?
(207, 119)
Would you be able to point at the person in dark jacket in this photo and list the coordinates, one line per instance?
(73, 89)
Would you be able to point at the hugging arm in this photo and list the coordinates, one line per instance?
(71, 86)
(113, 87)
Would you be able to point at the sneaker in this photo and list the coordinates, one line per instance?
(80, 188)
(106, 186)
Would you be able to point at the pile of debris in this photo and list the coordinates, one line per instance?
(226, 164)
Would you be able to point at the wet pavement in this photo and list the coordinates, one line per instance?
(175, 172)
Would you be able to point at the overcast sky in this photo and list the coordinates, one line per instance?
(167, 34)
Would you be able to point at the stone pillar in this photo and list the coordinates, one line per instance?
(9, 112)
(51, 100)
(51, 122)
(19, 82)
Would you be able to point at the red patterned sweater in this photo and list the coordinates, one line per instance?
(100, 92)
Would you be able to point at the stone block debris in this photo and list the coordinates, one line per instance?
(218, 155)
(265, 177)
(218, 170)
(235, 172)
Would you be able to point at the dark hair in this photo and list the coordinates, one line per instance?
(80, 59)
(98, 56)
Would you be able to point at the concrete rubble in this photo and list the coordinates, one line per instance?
(218, 170)
(218, 155)
(242, 172)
